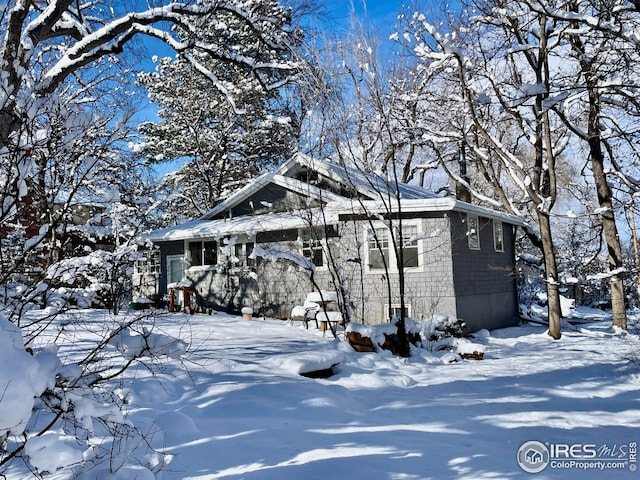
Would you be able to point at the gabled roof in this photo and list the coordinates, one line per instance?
(369, 185)
(264, 180)
(373, 190)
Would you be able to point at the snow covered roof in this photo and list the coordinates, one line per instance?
(414, 200)
(262, 181)
(367, 184)
(436, 204)
(247, 225)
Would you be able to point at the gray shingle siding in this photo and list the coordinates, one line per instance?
(485, 282)
(451, 279)
(428, 288)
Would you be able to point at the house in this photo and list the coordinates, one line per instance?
(80, 223)
(314, 225)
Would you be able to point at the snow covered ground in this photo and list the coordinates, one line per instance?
(235, 407)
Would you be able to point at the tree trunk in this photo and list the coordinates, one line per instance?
(554, 310)
(608, 217)
(404, 350)
(9, 123)
(590, 72)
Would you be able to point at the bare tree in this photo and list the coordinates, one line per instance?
(74, 36)
(67, 45)
(508, 133)
(601, 109)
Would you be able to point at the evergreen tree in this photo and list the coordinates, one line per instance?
(220, 144)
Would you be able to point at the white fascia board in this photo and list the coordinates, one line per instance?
(440, 204)
(288, 165)
(489, 213)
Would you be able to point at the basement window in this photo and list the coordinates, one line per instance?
(396, 309)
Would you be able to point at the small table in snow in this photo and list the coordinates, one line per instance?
(330, 319)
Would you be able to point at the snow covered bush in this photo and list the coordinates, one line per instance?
(101, 278)
(437, 327)
(21, 381)
(60, 409)
(448, 333)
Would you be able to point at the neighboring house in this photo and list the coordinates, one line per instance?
(258, 248)
(81, 223)
(84, 222)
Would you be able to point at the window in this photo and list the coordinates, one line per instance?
(498, 238)
(410, 246)
(396, 309)
(195, 253)
(210, 253)
(381, 251)
(248, 250)
(203, 253)
(150, 264)
(378, 249)
(312, 246)
(242, 251)
(308, 176)
(473, 232)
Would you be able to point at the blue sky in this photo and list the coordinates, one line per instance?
(382, 13)
(377, 10)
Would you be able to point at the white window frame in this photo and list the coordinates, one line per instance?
(150, 265)
(370, 243)
(473, 233)
(498, 236)
(315, 242)
(402, 242)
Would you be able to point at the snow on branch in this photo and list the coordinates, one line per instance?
(78, 35)
(111, 38)
(213, 78)
(280, 252)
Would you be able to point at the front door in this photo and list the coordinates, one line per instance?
(175, 268)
